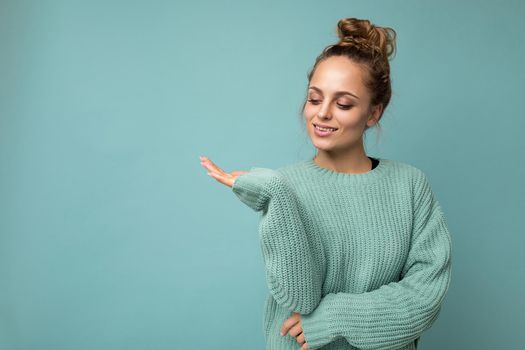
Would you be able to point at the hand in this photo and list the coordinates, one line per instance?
(223, 177)
(292, 325)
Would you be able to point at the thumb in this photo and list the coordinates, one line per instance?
(238, 172)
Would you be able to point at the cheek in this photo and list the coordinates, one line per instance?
(309, 111)
(351, 121)
(353, 124)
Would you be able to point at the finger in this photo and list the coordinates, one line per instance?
(300, 338)
(208, 166)
(227, 179)
(206, 162)
(295, 330)
(224, 179)
(211, 165)
(304, 347)
(238, 172)
(216, 172)
(287, 324)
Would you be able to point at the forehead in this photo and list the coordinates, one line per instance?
(339, 73)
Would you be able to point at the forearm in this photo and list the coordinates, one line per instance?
(293, 273)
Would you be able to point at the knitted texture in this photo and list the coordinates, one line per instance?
(364, 258)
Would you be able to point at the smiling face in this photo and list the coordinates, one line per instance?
(337, 98)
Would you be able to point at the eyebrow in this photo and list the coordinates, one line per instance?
(337, 93)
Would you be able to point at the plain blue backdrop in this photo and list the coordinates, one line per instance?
(112, 236)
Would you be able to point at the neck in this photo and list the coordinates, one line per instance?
(353, 161)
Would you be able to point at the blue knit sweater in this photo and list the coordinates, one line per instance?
(365, 258)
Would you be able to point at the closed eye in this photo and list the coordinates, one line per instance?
(316, 102)
(344, 106)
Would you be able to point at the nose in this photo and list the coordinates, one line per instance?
(324, 111)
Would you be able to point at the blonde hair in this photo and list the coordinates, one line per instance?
(370, 46)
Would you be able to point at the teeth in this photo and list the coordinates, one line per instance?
(324, 129)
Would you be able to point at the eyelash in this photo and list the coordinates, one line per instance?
(343, 107)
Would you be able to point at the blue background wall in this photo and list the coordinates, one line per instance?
(112, 236)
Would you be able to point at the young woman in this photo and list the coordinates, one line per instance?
(356, 248)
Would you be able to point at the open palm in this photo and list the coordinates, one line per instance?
(220, 175)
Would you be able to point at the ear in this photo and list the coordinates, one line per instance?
(375, 115)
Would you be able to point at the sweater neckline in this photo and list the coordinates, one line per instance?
(379, 171)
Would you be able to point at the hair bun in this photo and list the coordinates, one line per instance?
(367, 37)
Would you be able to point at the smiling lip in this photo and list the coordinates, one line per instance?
(325, 126)
(321, 133)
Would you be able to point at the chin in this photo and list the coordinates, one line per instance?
(322, 144)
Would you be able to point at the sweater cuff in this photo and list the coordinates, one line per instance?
(316, 325)
(252, 187)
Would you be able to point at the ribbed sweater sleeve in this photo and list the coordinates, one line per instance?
(291, 274)
(397, 313)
